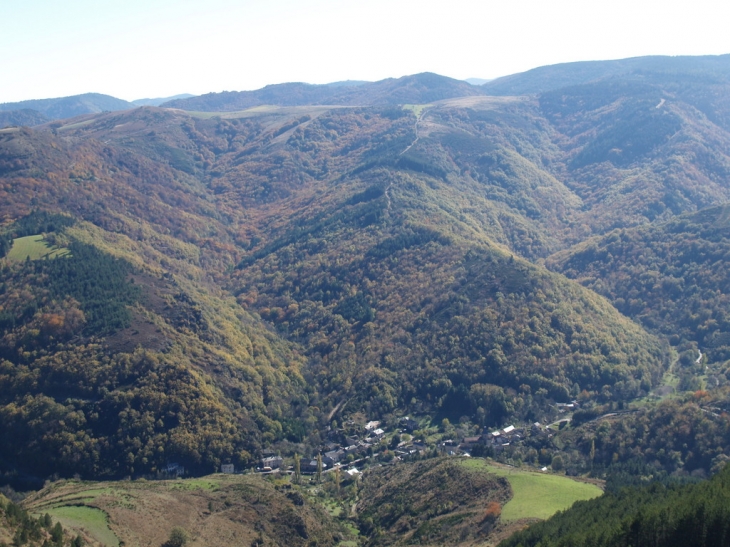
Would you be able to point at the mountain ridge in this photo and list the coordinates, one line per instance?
(298, 264)
(552, 77)
(68, 107)
(418, 88)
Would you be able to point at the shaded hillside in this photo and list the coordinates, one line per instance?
(22, 117)
(214, 510)
(655, 515)
(110, 367)
(552, 77)
(416, 89)
(672, 277)
(431, 502)
(68, 107)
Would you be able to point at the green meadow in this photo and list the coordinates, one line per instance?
(94, 521)
(535, 494)
(35, 248)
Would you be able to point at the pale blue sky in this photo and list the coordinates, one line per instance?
(154, 48)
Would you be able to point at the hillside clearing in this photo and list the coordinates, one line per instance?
(417, 109)
(34, 247)
(91, 520)
(537, 495)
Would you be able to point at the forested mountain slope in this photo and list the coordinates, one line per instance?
(672, 277)
(683, 435)
(386, 202)
(22, 117)
(123, 355)
(67, 107)
(274, 267)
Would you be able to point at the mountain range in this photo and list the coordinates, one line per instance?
(38, 111)
(243, 270)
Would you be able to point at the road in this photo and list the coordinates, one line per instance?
(387, 190)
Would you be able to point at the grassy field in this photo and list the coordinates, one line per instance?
(92, 520)
(34, 247)
(537, 495)
(265, 110)
(416, 108)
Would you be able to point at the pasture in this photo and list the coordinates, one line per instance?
(535, 494)
(34, 248)
(89, 519)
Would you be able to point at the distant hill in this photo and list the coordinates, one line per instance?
(477, 81)
(159, 101)
(417, 89)
(547, 78)
(68, 107)
(23, 117)
(347, 83)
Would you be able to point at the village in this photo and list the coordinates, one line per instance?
(356, 445)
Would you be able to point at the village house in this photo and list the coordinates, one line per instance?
(470, 442)
(420, 446)
(371, 426)
(333, 457)
(409, 424)
(376, 434)
(272, 462)
(228, 468)
(174, 469)
(309, 466)
(567, 407)
(354, 450)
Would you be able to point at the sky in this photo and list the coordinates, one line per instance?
(135, 49)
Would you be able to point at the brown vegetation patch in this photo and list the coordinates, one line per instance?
(217, 510)
(431, 502)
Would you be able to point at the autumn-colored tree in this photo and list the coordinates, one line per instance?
(493, 511)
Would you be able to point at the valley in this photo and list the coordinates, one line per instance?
(243, 275)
